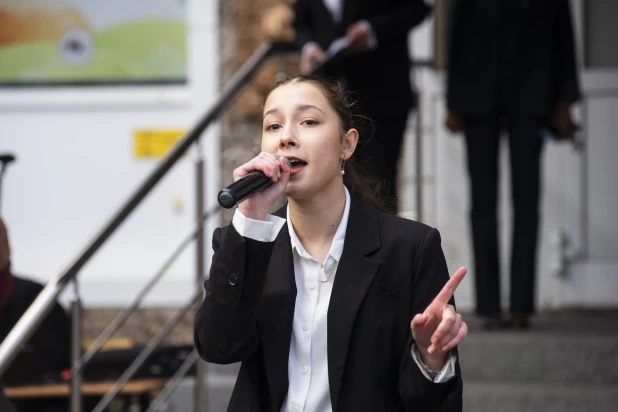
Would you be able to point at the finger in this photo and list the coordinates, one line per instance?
(265, 163)
(353, 32)
(273, 169)
(419, 320)
(451, 333)
(283, 165)
(448, 290)
(461, 335)
(284, 174)
(448, 319)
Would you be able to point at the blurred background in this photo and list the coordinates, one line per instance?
(97, 98)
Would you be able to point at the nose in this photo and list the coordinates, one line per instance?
(288, 137)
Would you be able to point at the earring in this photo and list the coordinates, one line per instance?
(343, 168)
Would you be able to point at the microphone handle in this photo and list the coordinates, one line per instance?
(243, 188)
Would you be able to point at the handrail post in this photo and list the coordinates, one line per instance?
(419, 157)
(76, 339)
(200, 390)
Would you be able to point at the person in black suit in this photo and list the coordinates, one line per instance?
(511, 68)
(377, 67)
(47, 354)
(330, 304)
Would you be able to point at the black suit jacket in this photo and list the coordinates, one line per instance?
(545, 68)
(50, 345)
(382, 76)
(390, 270)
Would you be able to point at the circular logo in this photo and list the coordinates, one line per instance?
(76, 47)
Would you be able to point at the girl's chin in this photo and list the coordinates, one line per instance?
(297, 191)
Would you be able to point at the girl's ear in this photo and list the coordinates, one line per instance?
(350, 140)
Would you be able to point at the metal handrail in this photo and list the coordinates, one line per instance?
(169, 388)
(121, 318)
(41, 306)
(147, 351)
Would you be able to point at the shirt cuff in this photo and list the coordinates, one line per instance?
(260, 230)
(308, 47)
(373, 40)
(447, 372)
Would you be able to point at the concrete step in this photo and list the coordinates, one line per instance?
(559, 348)
(534, 397)
(517, 357)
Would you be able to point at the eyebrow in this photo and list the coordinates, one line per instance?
(300, 108)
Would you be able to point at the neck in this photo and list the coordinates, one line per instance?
(316, 220)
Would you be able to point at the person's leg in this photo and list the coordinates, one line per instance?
(525, 147)
(379, 155)
(482, 141)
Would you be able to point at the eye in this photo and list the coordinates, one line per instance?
(309, 122)
(273, 126)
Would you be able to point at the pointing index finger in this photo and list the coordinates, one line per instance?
(448, 290)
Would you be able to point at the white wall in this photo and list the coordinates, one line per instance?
(75, 168)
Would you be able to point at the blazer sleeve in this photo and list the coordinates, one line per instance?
(567, 65)
(417, 392)
(225, 328)
(399, 21)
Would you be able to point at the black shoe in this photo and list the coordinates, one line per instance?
(519, 321)
(494, 322)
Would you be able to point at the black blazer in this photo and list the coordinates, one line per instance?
(390, 270)
(545, 69)
(382, 76)
(50, 345)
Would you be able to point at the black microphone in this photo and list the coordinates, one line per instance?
(245, 187)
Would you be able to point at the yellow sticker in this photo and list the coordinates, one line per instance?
(154, 144)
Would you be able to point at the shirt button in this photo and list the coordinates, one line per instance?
(312, 286)
(305, 369)
(233, 279)
(305, 327)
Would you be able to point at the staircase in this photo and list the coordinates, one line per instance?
(566, 362)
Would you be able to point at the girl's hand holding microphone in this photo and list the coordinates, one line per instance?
(277, 169)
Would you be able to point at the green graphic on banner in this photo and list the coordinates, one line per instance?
(92, 42)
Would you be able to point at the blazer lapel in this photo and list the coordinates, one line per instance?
(277, 315)
(354, 275)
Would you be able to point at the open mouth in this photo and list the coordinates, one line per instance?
(297, 164)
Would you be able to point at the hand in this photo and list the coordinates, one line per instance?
(454, 123)
(561, 120)
(439, 328)
(311, 58)
(257, 206)
(358, 37)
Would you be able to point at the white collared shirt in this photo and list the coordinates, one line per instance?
(335, 7)
(308, 363)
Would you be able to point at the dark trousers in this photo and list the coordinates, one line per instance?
(482, 141)
(377, 153)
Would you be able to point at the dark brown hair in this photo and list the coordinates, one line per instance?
(369, 189)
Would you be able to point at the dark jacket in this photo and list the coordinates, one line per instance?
(542, 55)
(48, 351)
(382, 76)
(390, 270)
